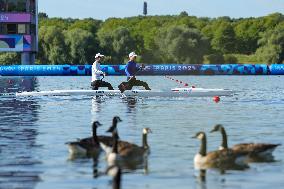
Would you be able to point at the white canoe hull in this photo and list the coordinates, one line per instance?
(178, 92)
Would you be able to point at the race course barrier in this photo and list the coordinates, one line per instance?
(277, 69)
(157, 69)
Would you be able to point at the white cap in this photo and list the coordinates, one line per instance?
(99, 55)
(132, 54)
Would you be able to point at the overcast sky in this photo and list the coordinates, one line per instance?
(125, 8)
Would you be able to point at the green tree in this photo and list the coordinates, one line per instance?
(9, 58)
(216, 58)
(91, 26)
(230, 59)
(52, 48)
(60, 23)
(42, 15)
(271, 21)
(147, 35)
(247, 34)
(224, 38)
(182, 45)
(183, 14)
(118, 43)
(78, 41)
(272, 45)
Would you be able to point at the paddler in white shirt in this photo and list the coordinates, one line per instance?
(97, 73)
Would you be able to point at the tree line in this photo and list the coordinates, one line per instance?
(181, 39)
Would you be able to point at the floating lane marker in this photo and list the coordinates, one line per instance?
(178, 81)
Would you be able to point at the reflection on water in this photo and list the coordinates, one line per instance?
(18, 134)
(97, 104)
(95, 168)
(131, 103)
(17, 84)
(254, 116)
(261, 159)
(202, 175)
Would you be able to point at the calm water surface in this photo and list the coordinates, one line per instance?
(34, 130)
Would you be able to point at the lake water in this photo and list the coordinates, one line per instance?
(34, 130)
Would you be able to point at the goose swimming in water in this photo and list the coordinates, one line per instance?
(90, 146)
(87, 146)
(129, 149)
(132, 150)
(115, 120)
(127, 154)
(222, 159)
(263, 150)
(112, 155)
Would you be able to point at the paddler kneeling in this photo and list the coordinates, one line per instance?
(97, 73)
(131, 69)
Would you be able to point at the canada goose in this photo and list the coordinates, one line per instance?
(263, 150)
(115, 120)
(126, 154)
(129, 150)
(112, 155)
(113, 129)
(87, 146)
(90, 146)
(222, 159)
(115, 172)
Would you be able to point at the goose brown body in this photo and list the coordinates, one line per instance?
(129, 150)
(225, 159)
(252, 149)
(125, 154)
(255, 149)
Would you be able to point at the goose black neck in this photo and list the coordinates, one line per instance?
(115, 134)
(224, 139)
(114, 123)
(115, 143)
(203, 147)
(117, 180)
(95, 137)
(145, 141)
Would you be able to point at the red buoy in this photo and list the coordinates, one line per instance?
(216, 99)
(186, 85)
(193, 86)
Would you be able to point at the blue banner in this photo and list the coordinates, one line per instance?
(277, 69)
(156, 69)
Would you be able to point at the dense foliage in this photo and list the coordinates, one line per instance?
(160, 39)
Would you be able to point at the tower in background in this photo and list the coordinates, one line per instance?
(145, 8)
(19, 28)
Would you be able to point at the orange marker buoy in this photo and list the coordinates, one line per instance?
(216, 99)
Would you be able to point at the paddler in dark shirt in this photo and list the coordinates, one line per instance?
(131, 69)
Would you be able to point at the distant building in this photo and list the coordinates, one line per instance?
(18, 28)
(145, 9)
